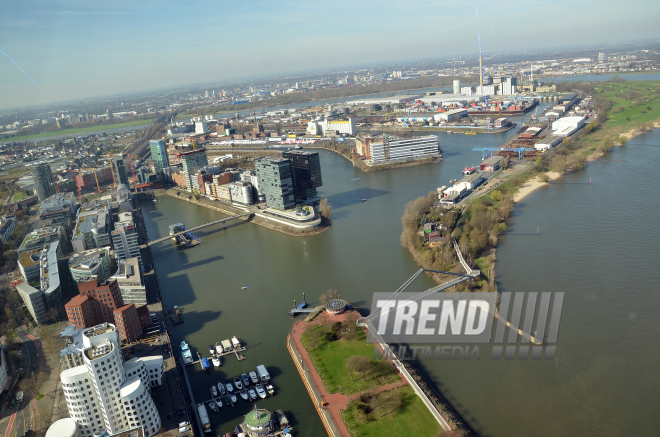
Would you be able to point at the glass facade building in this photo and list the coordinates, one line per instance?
(192, 162)
(43, 181)
(306, 172)
(276, 182)
(159, 156)
(119, 170)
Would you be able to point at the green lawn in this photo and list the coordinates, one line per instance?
(330, 362)
(18, 196)
(99, 128)
(414, 419)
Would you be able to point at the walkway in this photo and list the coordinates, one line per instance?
(337, 402)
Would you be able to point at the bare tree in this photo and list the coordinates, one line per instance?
(358, 363)
(329, 295)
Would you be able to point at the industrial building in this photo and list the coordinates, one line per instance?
(43, 180)
(451, 115)
(397, 149)
(491, 164)
(106, 393)
(332, 127)
(276, 182)
(567, 126)
(306, 172)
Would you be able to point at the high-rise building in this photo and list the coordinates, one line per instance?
(306, 172)
(119, 170)
(90, 262)
(159, 157)
(125, 238)
(106, 393)
(601, 57)
(192, 161)
(43, 180)
(276, 182)
(129, 279)
(34, 302)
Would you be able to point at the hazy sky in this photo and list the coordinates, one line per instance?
(81, 49)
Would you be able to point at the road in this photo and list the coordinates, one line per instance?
(23, 416)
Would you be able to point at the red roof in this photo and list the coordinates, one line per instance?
(77, 301)
(125, 308)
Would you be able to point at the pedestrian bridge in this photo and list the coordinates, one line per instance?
(237, 216)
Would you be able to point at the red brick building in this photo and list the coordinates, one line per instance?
(128, 323)
(179, 180)
(106, 294)
(145, 317)
(80, 311)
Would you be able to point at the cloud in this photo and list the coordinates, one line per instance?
(83, 12)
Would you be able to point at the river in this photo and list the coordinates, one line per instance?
(597, 244)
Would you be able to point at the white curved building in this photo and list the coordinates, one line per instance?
(106, 393)
(63, 428)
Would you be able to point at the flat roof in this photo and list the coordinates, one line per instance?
(100, 350)
(492, 160)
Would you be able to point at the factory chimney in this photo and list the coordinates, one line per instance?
(481, 71)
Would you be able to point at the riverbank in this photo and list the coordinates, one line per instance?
(73, 131)
(457, 130)
(255, 219)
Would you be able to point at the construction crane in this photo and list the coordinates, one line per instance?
(98, 187)
(130, 160)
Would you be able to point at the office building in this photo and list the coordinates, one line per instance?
(92, 228)
(392, 150)
(39, 238)
(251, 177)
(60, 208)
(7, 226)
(40, 266)
(106, 393)
(159, 157)
(275, 182)
(192, 161)
(125, 238)
(3, 368)
(306, 172)
(91, 262)
(241, 193)
(119, 169)
(129, 279)
(128, 323)
(34, 302)
(43, 180)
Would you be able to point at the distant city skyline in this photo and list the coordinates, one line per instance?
(57, 51)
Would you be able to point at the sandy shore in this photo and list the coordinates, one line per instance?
(533, 184)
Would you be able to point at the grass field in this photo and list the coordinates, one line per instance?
(97, 128)
(330, 362)
(18, 196)
(414, 419)
(12, 174)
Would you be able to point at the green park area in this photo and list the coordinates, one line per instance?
(71, 131)
(344, 359)
(18, 196)
(398, 412)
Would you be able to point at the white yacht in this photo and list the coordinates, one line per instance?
(218, 348)
(221, 389)
(214, 391)
(235, 342)
(238, 383)
(244, 395)
(253, 377)
(218, 402)
(216, 361)
(230, 388)
(260, 391)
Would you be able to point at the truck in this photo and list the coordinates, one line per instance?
(19, 397)
(264, 376)
(204, 418)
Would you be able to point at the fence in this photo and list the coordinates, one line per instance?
(314, 391)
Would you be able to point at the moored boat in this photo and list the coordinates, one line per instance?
(218, 348)
(246, 380)
(236, 342)
(216, 361)
(212, 349)
(213, 407)
(244, 395)
(229, 387)
(252, 394)
(260, 391)
(221, 389)
(186, 354)
(218, 402)
(214, 391)
(238, 383)
(233, 398)
(270, 389)
(253, 377)
(205, 364)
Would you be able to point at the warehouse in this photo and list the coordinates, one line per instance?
(491, 164)
(450, 116)
(567, 126)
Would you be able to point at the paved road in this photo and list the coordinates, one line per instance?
(23, 416)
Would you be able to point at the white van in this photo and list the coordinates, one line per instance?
(182, 424)
(183, 429)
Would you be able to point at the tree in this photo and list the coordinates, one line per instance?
(496, 195)
(544, 178)
(325, 209)
(358, 363)
(329, 295)
(28, 385)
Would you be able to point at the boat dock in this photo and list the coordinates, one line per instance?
(236, 350)
(175, 316)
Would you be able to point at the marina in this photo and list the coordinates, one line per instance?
(221, 349)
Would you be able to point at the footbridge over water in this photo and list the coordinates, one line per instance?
(190, 230)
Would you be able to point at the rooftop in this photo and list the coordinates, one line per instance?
(100, 350)
(103, 328)
(258, 418)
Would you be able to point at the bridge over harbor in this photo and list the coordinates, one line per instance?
(190, 230)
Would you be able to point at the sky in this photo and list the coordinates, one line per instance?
(63, 50)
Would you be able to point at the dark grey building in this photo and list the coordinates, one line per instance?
(275, 182)
(43, 181)
(119, 170)
(306, 171)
